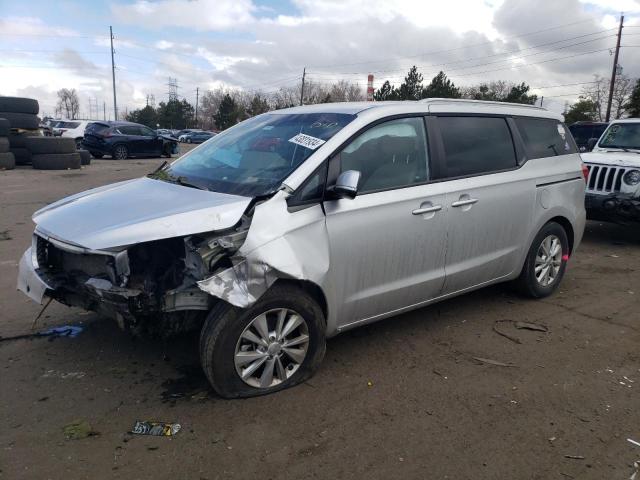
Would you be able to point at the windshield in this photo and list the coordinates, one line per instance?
(254, 157)
(622, 135)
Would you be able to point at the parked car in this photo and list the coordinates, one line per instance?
(71, 129)
(583, 131)
(197, 137)
(302, 223)
(165, 131)
(613, 187)
(181, 134)
(122, 140)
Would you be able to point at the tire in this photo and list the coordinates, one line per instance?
(120, 152)
(188, 140)
(528, 282)
(7, 161)
(85, 157)
(4, 144)
(21, 120)
(19, 105)
(22, 155)
(56, 161)
(221, 335)
(5, 126)
(96, 155)
(46, 145)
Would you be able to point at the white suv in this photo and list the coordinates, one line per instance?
(613, 188)
(72, 129)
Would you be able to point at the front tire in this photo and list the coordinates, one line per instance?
(546, 262)
(274, 344)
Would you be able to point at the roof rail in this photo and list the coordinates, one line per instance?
(479, 102)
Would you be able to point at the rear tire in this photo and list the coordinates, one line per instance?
(47, 145)
(56, 161)
(546, 262)
(120, 152)
(224, 336)
(19, 105)
(7, 161)
(26, 121)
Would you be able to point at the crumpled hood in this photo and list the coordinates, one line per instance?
(617, 159)
(136, 211)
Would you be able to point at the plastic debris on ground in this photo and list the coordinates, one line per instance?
(71, 331)
(158, 429)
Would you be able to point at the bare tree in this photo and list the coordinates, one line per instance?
(598, 93)
(68, 103)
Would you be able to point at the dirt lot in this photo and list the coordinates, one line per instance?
(403, 398)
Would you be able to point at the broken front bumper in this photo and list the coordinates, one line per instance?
(29, 281)
(613, 208)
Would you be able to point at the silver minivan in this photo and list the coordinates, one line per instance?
(298, 224)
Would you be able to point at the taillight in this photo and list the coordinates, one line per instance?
(585, 172)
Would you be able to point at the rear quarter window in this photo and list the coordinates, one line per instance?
(545, 137)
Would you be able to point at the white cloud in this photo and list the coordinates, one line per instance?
(199, 15)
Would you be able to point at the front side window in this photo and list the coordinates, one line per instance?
(389, 155)
(147, 132)
(476, 145)
(545, 137)
(254, 157)
(622, 135)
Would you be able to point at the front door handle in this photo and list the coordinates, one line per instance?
(462, 203)
(432, 209)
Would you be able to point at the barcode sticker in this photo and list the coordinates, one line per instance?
(307, 141)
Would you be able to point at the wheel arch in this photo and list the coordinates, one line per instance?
(312, 289)
(568, 228)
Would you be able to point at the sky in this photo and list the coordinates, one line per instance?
(555, 46)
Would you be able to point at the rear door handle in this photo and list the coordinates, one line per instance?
(421, 211)
(462, 203)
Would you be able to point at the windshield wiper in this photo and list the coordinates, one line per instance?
(184, 183)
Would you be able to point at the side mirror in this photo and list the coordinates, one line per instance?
(591, 143)
(346, 185)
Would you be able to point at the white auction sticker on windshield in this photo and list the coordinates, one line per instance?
(307, 141)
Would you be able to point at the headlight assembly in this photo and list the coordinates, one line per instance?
(632, 177)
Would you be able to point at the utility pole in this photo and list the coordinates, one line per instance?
(304, 73)
(113, 77)
(613, 71)
(541, 100)
(104, 111)
(197, 93)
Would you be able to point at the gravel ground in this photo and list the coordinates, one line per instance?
(403, 398)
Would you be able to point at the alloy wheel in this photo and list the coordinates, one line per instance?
(121, 152)
(548, 260)
(271, 348)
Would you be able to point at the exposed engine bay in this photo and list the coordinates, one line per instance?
(150, 287)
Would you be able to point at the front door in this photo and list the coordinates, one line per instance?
(387, 245)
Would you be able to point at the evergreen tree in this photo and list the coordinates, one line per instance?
(227, 114)
(386, 92)
(440, 87)
(257, 106)
(581, 111)
(518, 94)
(633, 105)
(146, 116)
(411, 88)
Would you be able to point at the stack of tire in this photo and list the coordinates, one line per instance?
(22, 114)
(7, 160)
(29, 146)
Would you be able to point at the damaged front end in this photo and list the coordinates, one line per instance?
(149, 287)
(619, 208)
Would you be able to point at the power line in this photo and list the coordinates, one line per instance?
(454, 49)
(488, 56)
